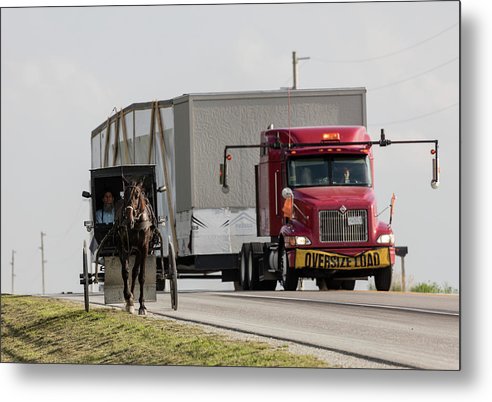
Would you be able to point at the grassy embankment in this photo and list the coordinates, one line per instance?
(420, 287)
(42, 330)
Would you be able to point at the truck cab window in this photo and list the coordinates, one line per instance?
(344, 170)
(350, 171)
(308, 172)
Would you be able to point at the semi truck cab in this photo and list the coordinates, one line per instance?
(315, 192)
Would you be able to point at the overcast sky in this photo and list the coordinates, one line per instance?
(65, 69)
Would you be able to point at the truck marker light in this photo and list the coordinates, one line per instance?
(293, 152)
(229, 157)
(433, 151)
(331, 137)
(339, 149)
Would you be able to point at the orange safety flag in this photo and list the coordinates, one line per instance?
(392, 208)
(288, 207)
(393, 201)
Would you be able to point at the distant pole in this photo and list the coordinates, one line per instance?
(403, 280)
(401, 252)
(13, 275)
(42, 259)
(295, 62)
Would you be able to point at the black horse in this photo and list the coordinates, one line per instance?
(135, 224)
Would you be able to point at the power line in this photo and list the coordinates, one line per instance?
(415, 117)
(413, 76)
(383, 56)
(77, 217)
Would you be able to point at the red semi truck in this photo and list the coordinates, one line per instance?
(315, 200)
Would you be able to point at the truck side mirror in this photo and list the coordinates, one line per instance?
(288, 208)
(435, 170)
(287, 193)
(86, 194)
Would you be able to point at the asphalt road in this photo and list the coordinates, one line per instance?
(408, 330)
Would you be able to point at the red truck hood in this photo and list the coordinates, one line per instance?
(328, 197)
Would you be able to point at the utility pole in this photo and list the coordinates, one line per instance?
(42, 258)
(295, 62)
(12, 263)
(402, 252)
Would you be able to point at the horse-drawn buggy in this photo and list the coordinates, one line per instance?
(132, 257)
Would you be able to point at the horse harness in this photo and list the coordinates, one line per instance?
(143, 220)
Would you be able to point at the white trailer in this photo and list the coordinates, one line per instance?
(184, 138)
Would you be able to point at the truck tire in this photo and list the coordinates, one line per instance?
(289, 277)
(252, 270)
(243, 266)
(382, 279)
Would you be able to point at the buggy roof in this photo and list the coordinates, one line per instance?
(124, 171)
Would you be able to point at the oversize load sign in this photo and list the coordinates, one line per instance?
(379, 258)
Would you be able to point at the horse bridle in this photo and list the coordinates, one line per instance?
(136, 215)
(130, 207)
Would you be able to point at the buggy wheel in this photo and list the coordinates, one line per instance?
(85, 277)
(173, 277)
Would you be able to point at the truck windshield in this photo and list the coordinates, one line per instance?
(343, 170)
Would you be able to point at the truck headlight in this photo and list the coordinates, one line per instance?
(297, 240)
(386, 239)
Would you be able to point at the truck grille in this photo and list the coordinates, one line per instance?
(349, 227)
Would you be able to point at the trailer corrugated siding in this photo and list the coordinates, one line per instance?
(205, 123)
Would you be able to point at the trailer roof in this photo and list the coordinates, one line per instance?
(269, 94)
(233, 95)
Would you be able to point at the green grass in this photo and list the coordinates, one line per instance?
(43, 330)
(421, 287)
(428, 287)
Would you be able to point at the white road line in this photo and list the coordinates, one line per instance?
(382, 306)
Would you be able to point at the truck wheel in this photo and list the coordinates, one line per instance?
(382, 278)
(252, 268)
(289, 278)
(348, 284)
(243, 278)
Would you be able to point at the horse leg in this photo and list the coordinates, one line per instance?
(135, 269)
(126, 293)
(141, 278)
